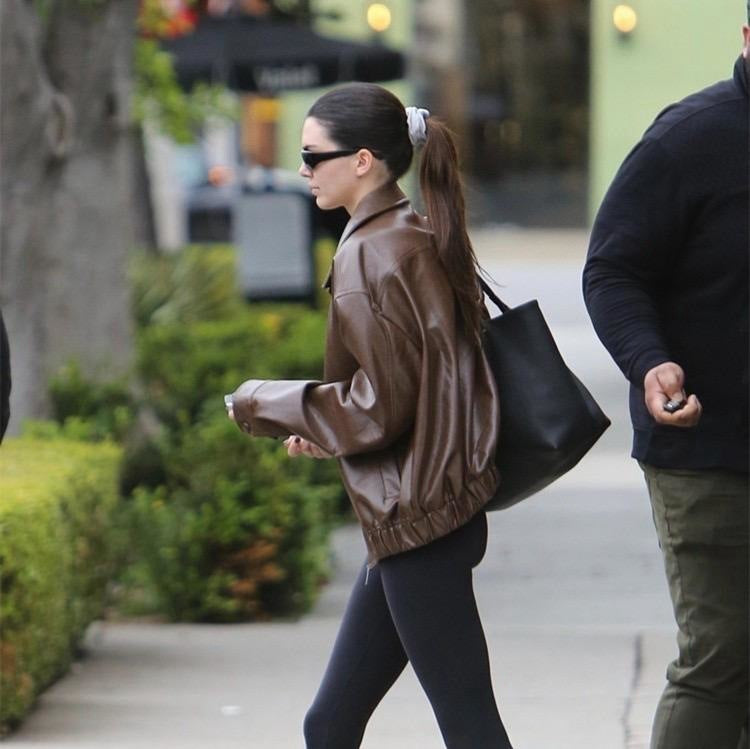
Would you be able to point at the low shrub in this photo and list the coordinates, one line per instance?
(58, 549)
(186, 368)
(194, 285)
(91, 410)
(223, 527)
(239, 531)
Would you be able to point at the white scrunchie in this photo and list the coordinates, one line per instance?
(417, 120)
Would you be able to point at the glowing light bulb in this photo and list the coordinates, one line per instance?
(379, 16)
(624, 18)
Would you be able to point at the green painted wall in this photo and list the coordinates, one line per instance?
(351, 25)
(678, 46)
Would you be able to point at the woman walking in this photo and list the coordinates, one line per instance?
(409, 409)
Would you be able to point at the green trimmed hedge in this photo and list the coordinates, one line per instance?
(238, 531)
(58, 551)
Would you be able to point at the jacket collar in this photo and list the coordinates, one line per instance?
(382, 199)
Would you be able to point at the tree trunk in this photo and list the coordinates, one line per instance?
(144, 220)
(66, 203)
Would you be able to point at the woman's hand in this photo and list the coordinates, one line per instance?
(295, 445)
(298, 446)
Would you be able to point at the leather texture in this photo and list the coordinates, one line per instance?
(550, 420)
(408, 404)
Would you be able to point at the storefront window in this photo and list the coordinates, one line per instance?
(526, 131)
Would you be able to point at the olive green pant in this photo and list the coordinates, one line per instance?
(701, 519)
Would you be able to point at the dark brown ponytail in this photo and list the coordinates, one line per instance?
(365, 115)
(442, 191)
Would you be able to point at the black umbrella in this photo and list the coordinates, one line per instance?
(247, 54)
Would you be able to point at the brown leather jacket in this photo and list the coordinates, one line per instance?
(408, 405)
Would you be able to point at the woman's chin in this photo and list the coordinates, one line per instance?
(326, 204)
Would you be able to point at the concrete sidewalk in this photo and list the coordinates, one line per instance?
(571, 590)
(573, 606)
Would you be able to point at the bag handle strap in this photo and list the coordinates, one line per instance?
(499, 303)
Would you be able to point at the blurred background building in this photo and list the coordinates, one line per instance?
(546, 97)
(645, 55)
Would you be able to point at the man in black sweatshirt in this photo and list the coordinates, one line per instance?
(666, 285)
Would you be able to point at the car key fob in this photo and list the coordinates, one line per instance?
(674, 405)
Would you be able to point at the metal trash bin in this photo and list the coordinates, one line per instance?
(273, 232)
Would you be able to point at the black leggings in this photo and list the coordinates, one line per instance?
(415, 607)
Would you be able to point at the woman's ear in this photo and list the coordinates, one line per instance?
(364, 162)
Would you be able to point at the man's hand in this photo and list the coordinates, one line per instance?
(298, 446)
(664, 383)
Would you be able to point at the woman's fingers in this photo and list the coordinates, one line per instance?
(293, 445)
(313, 451)
(298, 446)
(317, 452)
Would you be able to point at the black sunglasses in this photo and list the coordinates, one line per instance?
(313, 158)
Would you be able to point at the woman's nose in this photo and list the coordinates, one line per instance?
(304, 170)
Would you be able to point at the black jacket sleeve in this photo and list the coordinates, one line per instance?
(634, 243)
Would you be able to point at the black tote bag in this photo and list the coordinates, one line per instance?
(548, 419)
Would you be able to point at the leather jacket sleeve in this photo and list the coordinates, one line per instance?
(367, 412)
